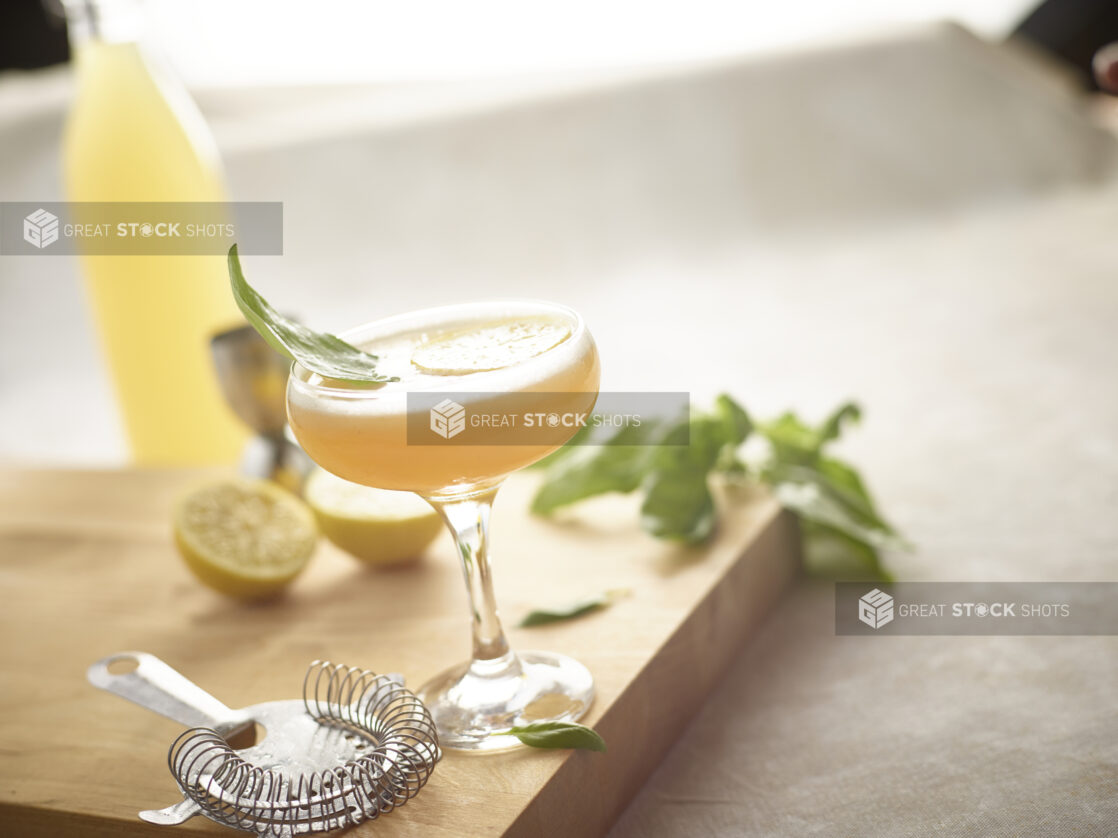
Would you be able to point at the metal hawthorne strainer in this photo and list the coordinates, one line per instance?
(356, 746)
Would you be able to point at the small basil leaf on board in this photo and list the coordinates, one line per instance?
(559, 735)
(322, 353)
(544, 616)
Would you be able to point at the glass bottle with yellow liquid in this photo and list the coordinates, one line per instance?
(135, 135)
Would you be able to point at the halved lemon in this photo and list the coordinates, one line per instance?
(490, 347)
(244, 538)
(375, 525)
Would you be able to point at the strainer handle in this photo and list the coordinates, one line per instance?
(156, 686)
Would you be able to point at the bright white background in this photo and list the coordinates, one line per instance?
(237, 42)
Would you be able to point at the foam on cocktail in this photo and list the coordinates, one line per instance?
(491, 346)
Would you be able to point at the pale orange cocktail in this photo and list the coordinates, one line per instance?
(495, 359)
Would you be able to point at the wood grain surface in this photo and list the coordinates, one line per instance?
(88, 568)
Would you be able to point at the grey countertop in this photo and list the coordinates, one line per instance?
(924, 223)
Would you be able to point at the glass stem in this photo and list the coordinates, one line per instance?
(468, 520)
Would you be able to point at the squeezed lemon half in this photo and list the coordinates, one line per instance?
(491, 347)
(375, 525)
(244, 538)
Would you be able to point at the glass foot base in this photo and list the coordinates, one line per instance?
(472, 702)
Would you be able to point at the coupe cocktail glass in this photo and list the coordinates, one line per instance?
(362, 435)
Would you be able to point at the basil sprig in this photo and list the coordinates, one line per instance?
(672, 464)
(329, 356)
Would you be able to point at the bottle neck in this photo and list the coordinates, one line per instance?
(102, 21)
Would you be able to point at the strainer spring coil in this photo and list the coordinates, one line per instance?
(402, 754)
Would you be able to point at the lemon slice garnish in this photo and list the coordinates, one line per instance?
(375, 525)
(244, 538)
(490, 347)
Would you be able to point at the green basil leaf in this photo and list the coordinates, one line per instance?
(329, 356)
(832, 426)
(678, 505)
(792, 440)
(815, 502)
(543, 616)
(559, 735)
(844, 480)
(797, 443)
(736, 422)
(617, 466)
(833, 493)
(832, 554)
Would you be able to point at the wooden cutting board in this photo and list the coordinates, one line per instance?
(87, 568)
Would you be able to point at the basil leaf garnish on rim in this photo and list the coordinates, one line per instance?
(322, 353)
